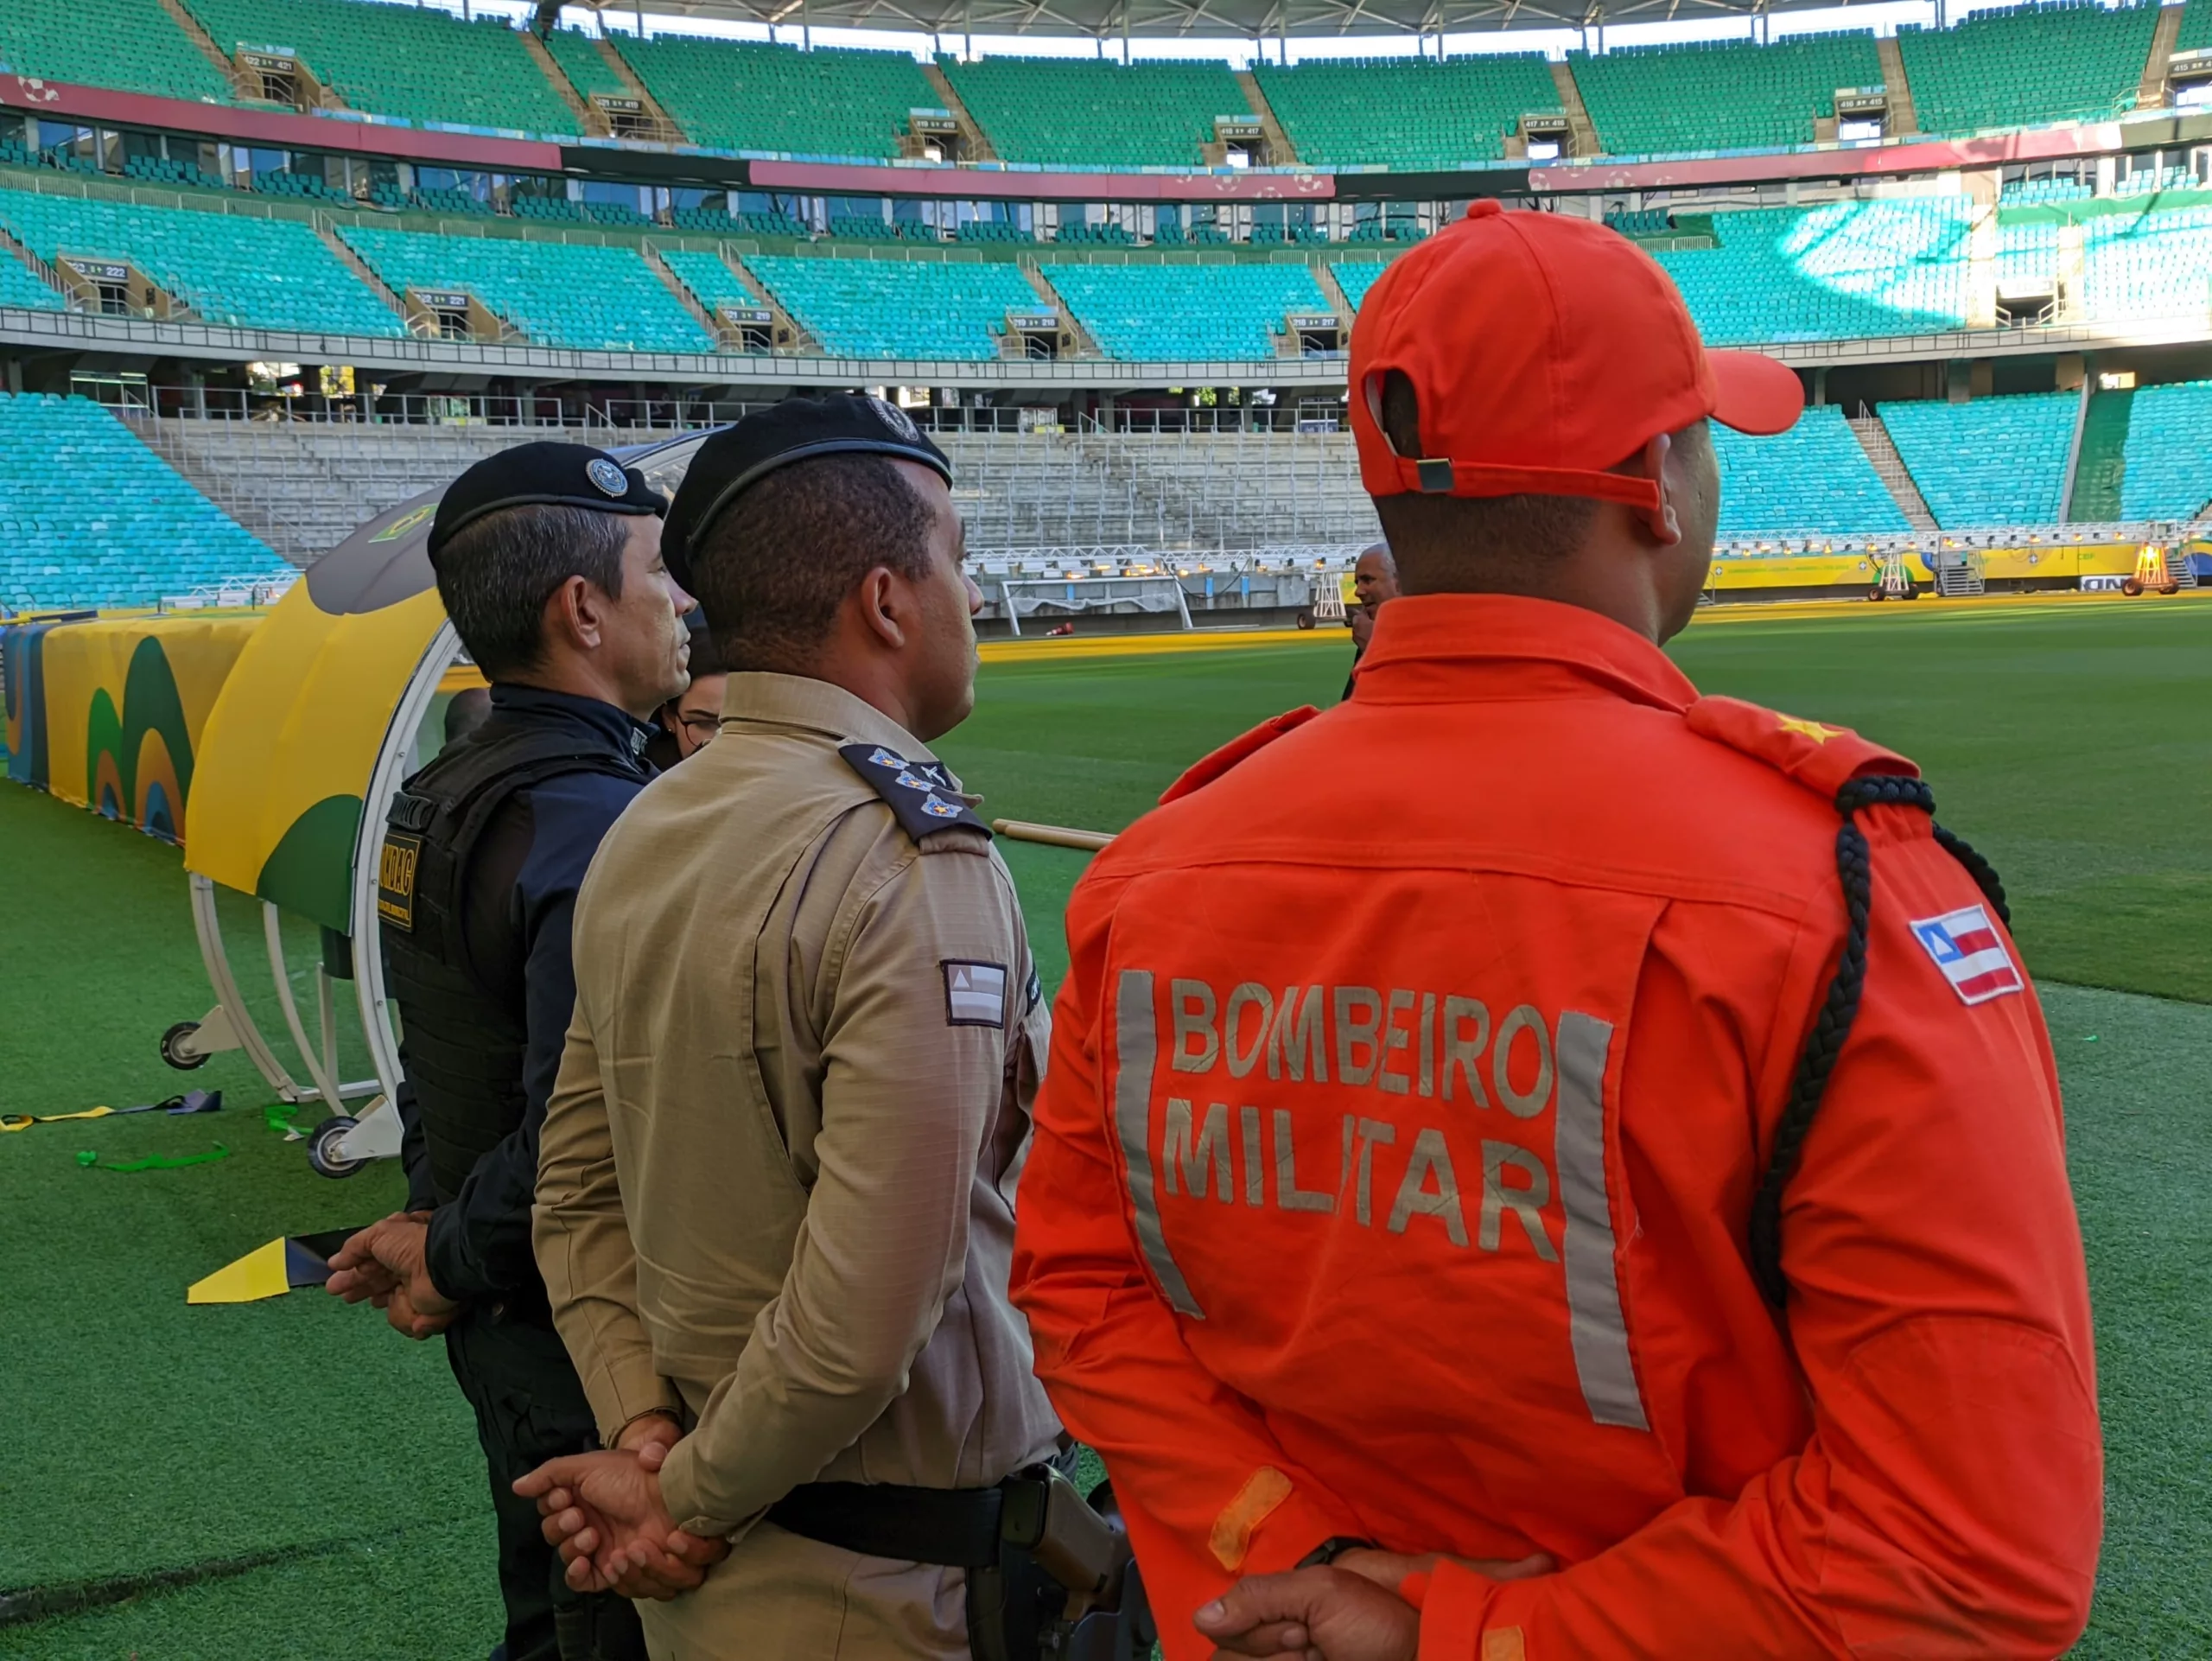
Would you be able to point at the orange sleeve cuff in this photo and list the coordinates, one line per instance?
(1451, 1605)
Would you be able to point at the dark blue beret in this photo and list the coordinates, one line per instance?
(542, 474)
(740, 456)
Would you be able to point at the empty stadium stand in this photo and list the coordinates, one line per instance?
(1139, 312)
(1843, 270)
(136, 46)
(710, 279)
(752, 96)
(1993, 461)
(2152, 263)
(230, 268)
(1813, 480)
(144, 535)
(563, 294)
(2071, 60)
(417, 62)
(1079, 112)
(2168, 452)
(1651, 100)
(1409, 114)
(953, 309)
(579, 58)
(1356, 276)
(20, 286)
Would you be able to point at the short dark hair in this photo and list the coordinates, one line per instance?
(1437, 539)
(782, 557)
(496, 574)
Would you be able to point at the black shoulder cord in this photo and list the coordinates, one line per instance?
(1832, 1030)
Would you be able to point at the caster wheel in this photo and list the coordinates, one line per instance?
(172, 1052)
(325, 1139)
(1305, 620)
(1877, 593)
(2171, 589)
(2131, 588)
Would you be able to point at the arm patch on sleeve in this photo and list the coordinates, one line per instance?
(921, 794)
(975, 993)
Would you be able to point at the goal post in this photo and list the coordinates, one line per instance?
(1062, 598)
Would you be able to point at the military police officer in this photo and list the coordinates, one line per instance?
(547, 560)
(777, 1195)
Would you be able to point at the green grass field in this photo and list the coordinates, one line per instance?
(289, 1479)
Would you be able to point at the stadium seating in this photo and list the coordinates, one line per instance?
(1356, 276)
(2028, 192)
(1993, 461)
(2025, 252)
(745, 95)
(2169, 453)
(1085, 112)
(560, 294)
(1212, 312)
(898, 307)
(2196, 27)
(1410, 113)
(578, 58)
(1649, 100)
(159, 170)
(300, 187)
(2148, 264)
(2075, 60)
(145, 534)
(710, 280)
(1839, 272)
(1812, 480)
(414, 61)
(21, 288)
(131, 44)
(230, 268)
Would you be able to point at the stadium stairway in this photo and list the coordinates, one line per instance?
(974, 141)
(1889, 467)
(1899, 118)
(1281, 151)
(2100, 465)
(2150, 94)
(588, 120)
(1581, 133)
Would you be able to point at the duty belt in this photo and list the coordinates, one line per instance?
(952, 1528)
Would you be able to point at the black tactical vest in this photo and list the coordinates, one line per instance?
(464, 1039)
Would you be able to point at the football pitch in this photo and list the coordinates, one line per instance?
(289, 1478)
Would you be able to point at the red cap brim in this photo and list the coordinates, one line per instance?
(1753, 393)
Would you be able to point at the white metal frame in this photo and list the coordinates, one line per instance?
(1008, 585)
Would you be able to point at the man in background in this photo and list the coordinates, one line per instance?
(1374, 580)
(547, 560)
(684, 724)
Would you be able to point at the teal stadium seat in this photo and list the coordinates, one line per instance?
(577, 56)
(145, 534)
(2169, 453)
(1844, 270)
(1813, 481)
(559, 293)
(1356, 276)
(232, 270)
(1649, 100)
(2148, 264)
(1216, 313)
(23, 289)
(745, 95)
(2071, 62)
(1089, 113)
(132, 45)
(417, 62)
(931, 309)
(1410, 113)
(1993, 461)
(710, 280)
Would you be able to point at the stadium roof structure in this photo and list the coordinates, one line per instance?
(1223, 19)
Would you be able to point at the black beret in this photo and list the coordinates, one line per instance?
(541, 475)
(846, 424)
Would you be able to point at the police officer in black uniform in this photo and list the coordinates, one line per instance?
(548, 559)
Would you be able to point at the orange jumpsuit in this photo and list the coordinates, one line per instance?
(1410, 1088)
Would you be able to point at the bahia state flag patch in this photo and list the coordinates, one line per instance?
(1967, 948)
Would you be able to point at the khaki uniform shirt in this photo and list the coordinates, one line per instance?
(776, 1189)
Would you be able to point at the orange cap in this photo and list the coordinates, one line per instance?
(1544, 350)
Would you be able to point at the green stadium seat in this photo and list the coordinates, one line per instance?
(931, 309)
(2169, 456)
(1720, 95)
(1224, 312)
(1990, 462)
(560, 294)
(1813, 481)
(144, 535)
(577, 56)
(2070, 61)
(132, 45)
(417, 62)
(1410, 114)
(710, 280)
(1078, 113)
(745, 95)
(231, 269)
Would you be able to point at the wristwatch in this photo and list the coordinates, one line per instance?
(1333, 1547)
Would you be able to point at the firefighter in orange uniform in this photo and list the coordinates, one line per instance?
(1536, 1163)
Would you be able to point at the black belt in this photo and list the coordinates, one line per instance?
(953, 1528)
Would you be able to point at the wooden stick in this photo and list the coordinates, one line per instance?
(1053, 836)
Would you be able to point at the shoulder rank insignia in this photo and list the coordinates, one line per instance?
(921, 794)
(1821, 758)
